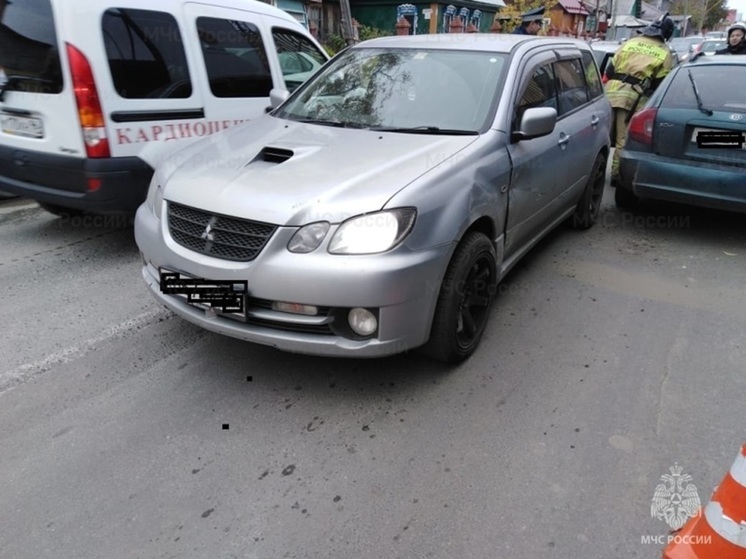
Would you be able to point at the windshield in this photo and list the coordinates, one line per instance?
(712, 46)
(404, 89)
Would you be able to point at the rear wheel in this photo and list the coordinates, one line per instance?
(625, 199)
(589, 206)
(60, 211)
(465, 300)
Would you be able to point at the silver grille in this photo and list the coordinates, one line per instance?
(220, 236)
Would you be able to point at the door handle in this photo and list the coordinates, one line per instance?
(564, 139)
(595, 120)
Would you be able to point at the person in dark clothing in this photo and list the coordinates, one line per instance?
(530, 22)
(736, 40)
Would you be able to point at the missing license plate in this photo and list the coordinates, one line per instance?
(225, 296)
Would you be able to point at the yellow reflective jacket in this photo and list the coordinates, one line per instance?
(647, 59)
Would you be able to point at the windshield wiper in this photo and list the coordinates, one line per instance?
(12, 80)
(424, 130)
(700, 106)
(335, 123)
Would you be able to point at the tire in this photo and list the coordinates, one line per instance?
(589, 205)
(60, 211)
(465, 300)
(625, 199)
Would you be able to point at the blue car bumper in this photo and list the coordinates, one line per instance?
(687, 182)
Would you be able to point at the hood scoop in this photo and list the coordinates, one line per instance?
(274, 155)
(269, 157)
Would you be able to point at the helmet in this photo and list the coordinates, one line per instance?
(661, 27)
(737, 25)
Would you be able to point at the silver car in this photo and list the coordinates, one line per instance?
(376, 209)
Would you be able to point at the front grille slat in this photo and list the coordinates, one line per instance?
(225, 237)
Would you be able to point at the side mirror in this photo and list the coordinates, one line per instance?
(277, 97)
(534, 123)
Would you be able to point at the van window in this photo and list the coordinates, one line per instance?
(29, 57)
(299, 57)
(571, 83)
(235, 58)
(146, 54)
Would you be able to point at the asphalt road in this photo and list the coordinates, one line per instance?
(611, 355)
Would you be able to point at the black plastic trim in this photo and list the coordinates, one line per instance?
(146, 116)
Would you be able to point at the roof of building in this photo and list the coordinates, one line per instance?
(573, 7)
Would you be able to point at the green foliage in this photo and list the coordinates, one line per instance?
(335, 43)
(705, 14)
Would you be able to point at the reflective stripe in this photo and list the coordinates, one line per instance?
(738, 470)
(724, 526)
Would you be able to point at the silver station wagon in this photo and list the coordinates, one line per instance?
(376, 208)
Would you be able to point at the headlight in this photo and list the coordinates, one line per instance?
(155, 197)
(374, 232)
(308, 237)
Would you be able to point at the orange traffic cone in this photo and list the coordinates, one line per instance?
(720, 532)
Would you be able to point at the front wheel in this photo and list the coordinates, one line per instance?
(589, 205)
(465, 300)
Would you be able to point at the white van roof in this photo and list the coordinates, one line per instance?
(173, 5)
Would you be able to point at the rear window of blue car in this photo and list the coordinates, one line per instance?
(720, 87)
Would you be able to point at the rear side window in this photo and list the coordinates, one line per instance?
(595, 87)
(29, 57)
(571, 84)
(235, 58)
(299, 57)
(146, 54)
(540, 91)
(721, 88)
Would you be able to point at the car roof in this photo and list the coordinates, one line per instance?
(714, 60)
(606, 46)
(489, 42)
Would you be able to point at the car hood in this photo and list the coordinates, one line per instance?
(289, 173)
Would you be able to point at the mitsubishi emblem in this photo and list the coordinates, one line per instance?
(208, 234)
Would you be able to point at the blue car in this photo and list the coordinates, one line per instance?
(688, 144)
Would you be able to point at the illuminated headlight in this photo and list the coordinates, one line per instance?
(362, 321)
(308, 237)
(374, 232)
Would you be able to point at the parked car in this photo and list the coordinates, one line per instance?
(709, 46)
(603, 52)
(96, 92)
(683, 47)
(688, 144)
(378, 207)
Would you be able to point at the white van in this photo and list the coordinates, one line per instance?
(92, 91)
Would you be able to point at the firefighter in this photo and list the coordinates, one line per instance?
(636, 70)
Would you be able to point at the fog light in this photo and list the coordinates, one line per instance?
(362, 321)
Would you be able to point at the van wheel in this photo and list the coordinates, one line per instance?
(465, 299)
(625, 199)
(60, 211)
(589, 205)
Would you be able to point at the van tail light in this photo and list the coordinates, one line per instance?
(641, 126)
(89, 108)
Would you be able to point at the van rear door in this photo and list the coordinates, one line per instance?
(38, 110)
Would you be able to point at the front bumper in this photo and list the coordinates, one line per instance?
(687, 182)
(64, 180)
(401, 286)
